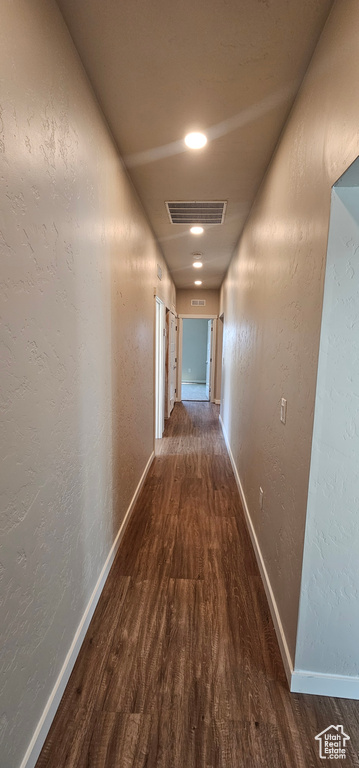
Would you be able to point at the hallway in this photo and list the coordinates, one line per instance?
(180, 667)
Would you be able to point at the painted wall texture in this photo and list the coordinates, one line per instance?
(194, 350)
(78, 272)
(328, 630)
(272, 302)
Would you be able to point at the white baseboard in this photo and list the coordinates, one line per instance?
(283, 647)
(343, 687)
(38, 739)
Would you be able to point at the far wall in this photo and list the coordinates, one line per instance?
(194, 350)
(184, 297)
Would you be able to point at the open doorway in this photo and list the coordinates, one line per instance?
(327, 638)
(197, 355)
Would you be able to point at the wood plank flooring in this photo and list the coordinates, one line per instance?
(180, 667)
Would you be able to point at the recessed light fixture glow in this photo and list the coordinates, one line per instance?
(195, 140)
(198, 282)
(196, 230)
(197, 264)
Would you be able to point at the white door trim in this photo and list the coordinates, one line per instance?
(172, 365)
(214, 356)
(179, 359)
(199, 317)
(160, 330)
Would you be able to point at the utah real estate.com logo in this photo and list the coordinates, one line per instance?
(332, 743)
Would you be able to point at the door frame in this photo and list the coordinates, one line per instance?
(209, 355)
(170, 315)
(180, 348)
(160, 355)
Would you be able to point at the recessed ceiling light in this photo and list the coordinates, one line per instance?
(198, 282)
(197, 264)
(195, 140)
(196, 230)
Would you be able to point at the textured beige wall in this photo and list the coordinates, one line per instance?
(165, 288)
(272, 304)
(183, 302)
(78, 272)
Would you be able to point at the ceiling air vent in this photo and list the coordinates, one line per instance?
(196, 212)
(198, 302)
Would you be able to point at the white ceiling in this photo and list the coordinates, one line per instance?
(230, 68)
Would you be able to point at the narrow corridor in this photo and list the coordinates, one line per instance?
(180, 667)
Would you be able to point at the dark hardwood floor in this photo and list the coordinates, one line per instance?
(180, 667)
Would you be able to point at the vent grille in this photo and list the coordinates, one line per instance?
(198, 302)
(196, 212)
